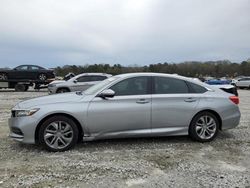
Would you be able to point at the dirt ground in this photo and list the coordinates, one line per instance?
(144, 162)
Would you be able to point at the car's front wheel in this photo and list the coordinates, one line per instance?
(58, 133)
(62, 90)
(204, 127)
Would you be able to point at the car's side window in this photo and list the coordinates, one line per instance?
(195, 88)
(84, 79)
(166, 85)
(22, 67)
(34, 68)
(98, 78)
(131, 86)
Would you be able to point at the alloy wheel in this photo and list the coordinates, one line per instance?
(58, 135)
(205, 127)
(42, 77)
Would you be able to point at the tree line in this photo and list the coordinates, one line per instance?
(191, 69)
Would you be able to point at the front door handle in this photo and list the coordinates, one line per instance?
(142, 101)
(190, 99)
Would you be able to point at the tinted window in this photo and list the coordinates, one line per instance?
(84, 79)
(244, 79)
(165, 85)
(98, 78)
(34, 68)
(22, 67)
(91, 78)
(131, 86)
(195, 88)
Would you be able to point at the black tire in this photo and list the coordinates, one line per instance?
(26, 88)
(42, 77)
(45, 126)
(195, 130)
(20, 87)
(62, 90)
(3, 76)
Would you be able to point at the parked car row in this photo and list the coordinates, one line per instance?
(240, 82)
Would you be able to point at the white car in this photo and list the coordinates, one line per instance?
(243, 83)
(80, 82)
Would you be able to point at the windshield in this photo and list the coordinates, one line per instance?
(95, 88)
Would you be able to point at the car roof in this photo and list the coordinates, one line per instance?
(153, 74)
(29, 65)
(93, 73)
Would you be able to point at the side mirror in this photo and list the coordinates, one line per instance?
(75, 81)
(108, 93)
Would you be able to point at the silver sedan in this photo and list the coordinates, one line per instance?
(128, 105)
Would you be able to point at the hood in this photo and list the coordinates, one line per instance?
(51, 99)
(57, 81)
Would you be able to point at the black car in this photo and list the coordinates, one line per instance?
(27, 72)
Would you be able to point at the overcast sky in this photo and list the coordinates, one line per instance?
(59, 32)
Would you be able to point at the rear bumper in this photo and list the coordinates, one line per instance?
(231, 121)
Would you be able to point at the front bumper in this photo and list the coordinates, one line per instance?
(22, 129)
(52, 90)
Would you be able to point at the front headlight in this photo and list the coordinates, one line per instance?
(21, 113)
(52, 85)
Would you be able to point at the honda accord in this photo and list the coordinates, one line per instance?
(127, 105)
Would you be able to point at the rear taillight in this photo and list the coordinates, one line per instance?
(234, 99)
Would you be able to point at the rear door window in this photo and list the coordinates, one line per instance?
(167, 85)
(98, 78)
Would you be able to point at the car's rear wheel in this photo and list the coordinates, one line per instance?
(20, 87)
(62, 90)
(3, 76)
(42, 77)
(204, 127)
(58, 133)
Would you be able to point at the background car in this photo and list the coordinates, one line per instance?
(128, 105)
(80, 82)
(27, 72)
(243, 83)
(218, 82)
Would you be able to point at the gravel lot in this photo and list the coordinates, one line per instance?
(147, 162)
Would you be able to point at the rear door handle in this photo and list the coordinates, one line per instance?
(190, 99)
(142, 101)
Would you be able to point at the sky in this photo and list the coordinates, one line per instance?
(54, 33)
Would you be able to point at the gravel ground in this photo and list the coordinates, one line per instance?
(147, 162)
